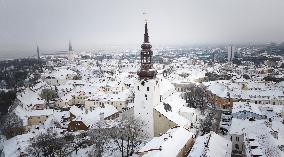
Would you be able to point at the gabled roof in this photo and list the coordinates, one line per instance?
(168, 144)
(176, 103)
(91, 117)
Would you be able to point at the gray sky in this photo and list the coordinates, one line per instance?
(92, 23)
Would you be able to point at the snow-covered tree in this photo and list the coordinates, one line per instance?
(195, 96)
(100, 138)
(11, 125)
(128, 134)
(51, 144)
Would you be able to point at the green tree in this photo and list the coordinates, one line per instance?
(48, 95)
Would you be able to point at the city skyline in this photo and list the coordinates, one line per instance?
(95, 24)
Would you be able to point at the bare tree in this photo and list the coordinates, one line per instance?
(128, 134)
(100, 138)
(41, 145)
(80, 141)
(206, 122)
(64, 145)
(196, 97)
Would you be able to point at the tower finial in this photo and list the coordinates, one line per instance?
(146, 36)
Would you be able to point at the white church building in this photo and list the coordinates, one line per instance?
(157, 112)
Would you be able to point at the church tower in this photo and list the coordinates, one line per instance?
(71, 54)
(147, 89)
(70, 47)
(37, 51)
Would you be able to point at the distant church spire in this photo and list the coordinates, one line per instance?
(37, 50)
(147, 70)
(70, 46)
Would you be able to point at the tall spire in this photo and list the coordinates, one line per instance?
(70, 46)
(146, 36)
(37, 50)
(147, 70)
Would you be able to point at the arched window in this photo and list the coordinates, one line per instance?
(237, 146)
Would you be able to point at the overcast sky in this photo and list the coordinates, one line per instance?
(90, 23)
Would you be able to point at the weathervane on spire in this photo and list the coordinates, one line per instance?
(145, 13)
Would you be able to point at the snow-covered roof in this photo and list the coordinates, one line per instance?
(238, 125)
(252, 90)
(217, 87)
(40, 85)
(75, 82)
(257, 130)
(176, 103)
(217, 146)
(67, 97)
(29, 98)
(60, 73)
(192, 73)
(19, 111)
(57, 116)
(168, 144)
(16, 145)
(45, 112)
(245, 106)
(102, 96)
(166, 87)
(92, 116)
